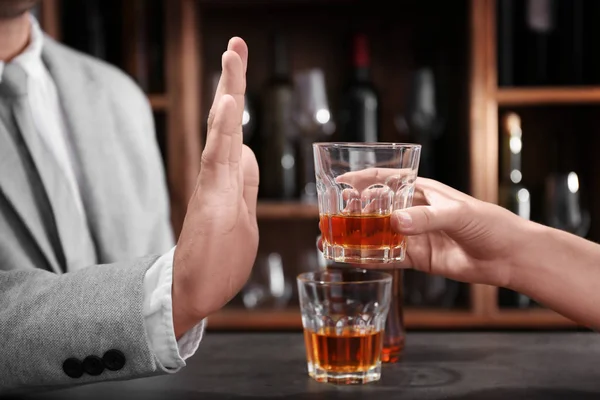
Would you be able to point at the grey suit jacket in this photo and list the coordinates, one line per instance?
(47, 316)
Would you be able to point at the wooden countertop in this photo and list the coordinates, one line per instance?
(435, 366)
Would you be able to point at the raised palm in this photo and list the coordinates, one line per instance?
(219, 240)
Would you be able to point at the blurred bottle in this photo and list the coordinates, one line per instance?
(540, 17)
(360, 112)
(360, 122)
(395, 334)
(545, 42)
(278, 132)
(94, 27)
(512, 194)
(506, 34)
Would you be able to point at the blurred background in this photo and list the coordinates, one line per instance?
(503, 95)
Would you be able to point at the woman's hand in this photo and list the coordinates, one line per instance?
(452, 234)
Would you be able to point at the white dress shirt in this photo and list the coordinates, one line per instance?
(50, 125)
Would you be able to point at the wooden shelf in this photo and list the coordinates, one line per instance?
(286, 210)
(158, 102)
(289, 319)
(531, 96)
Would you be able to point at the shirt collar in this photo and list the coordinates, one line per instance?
(30, 59)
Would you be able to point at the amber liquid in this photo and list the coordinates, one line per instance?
(394, 334)
(348, 351)
(367, 231)
(392, 349)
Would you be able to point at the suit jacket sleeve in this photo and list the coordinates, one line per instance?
(76, 328)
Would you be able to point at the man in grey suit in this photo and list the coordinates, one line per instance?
(92, 286)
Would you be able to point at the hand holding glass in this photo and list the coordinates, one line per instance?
(359, 185)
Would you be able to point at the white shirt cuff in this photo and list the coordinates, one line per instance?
(158, 316)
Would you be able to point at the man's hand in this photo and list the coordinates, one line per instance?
(219, 239)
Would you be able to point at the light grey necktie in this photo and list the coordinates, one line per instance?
(74, 235)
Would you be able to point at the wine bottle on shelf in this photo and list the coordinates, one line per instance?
(278, 132)
(83, 27)
(506, 32)
(144, 50)
(395, 333)
(94, 27)
(513, 195)
(543, 42)
(540, 22)
(360, 122)
(591, 33)
(569, 65)
(360, 105)
(136, 12)
(155, 45)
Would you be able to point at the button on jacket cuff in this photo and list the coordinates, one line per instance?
(73, 368)
(158, 316)
(93, 365)
(113, 360)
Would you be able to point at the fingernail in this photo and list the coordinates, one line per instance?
(404, 219)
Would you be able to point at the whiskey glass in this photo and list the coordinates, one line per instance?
(343, 316)
(359, 185)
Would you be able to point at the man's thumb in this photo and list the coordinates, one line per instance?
(422, 219)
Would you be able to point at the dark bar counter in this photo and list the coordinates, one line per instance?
(435, 366)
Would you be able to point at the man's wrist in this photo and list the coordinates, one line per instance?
(185, 314)
(183, 319)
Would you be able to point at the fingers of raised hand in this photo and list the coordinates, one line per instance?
(239, 46)
(224, 138)
(234, 64)
(251, 179)
(232, 82)
(221, 152)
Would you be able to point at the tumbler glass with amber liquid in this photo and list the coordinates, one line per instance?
(343, 315)
(359, 185)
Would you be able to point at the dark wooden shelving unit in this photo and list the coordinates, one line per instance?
(196, 32)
